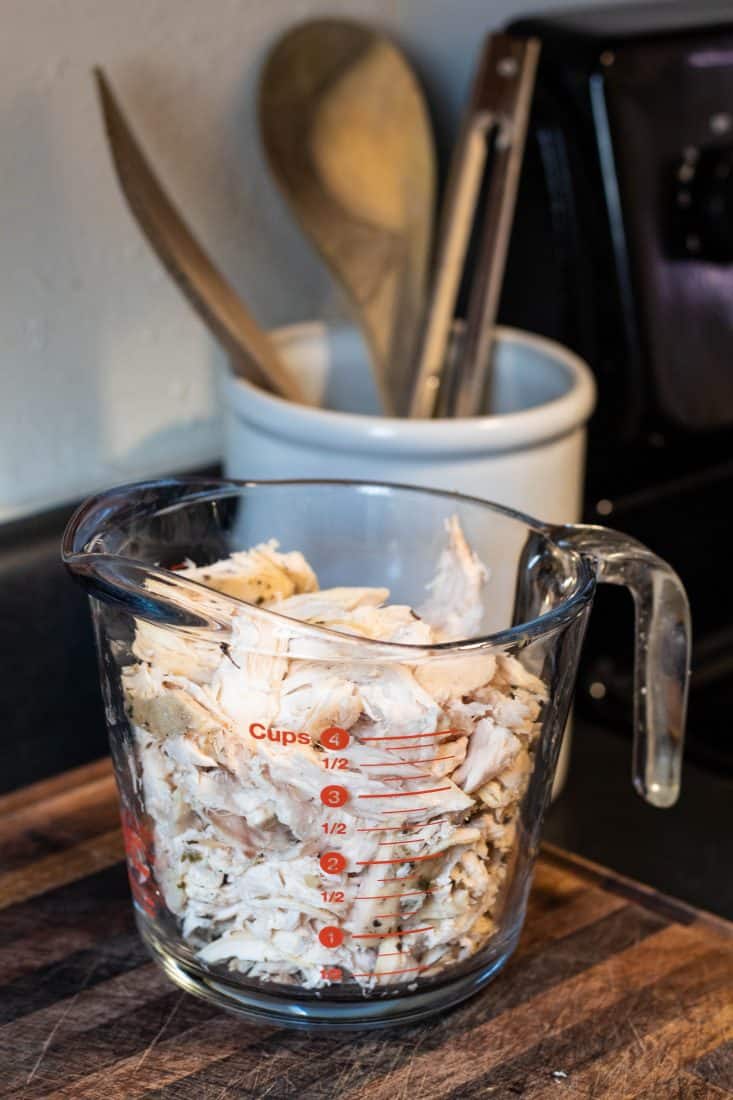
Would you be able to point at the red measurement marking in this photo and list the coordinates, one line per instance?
(334, 796)
(399, 878)
(399, 828)
(336, 897)
(334, 738)
(334, 828)
(410, 736)
(408, 810)
(394, 764)
(406, 737)
(407, 840)
(402, 794)
(335, 763)
(406, 859)
(384, 973)
(412, 763)
(384, 935)
(402, 778)
(138, 839)
(385, 897)
(333, 863)
(331, 973)
(331, 936)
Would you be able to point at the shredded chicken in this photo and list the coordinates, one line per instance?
(454, 606)
(319, 821)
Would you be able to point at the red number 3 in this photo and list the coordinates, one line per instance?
(334, 796)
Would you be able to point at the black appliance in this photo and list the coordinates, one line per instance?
(623, 249)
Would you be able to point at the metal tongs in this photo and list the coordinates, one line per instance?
(490, 143)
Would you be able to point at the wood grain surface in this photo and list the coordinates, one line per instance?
(614, 992)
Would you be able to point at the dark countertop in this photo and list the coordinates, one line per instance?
(614, 991)
(685, 851)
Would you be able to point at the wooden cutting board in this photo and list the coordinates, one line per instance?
(614, 992)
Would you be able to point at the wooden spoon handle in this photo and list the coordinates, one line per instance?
(251, 350)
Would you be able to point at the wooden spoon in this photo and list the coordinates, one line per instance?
(349, 140)
(252, 353)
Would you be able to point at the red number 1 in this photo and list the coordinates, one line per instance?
(331, 936)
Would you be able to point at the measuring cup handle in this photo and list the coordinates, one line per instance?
(662, 653)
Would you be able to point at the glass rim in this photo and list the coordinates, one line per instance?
(211, 488)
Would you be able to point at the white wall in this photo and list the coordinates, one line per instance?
(106, 375)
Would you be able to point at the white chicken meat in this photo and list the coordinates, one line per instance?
(332, 820)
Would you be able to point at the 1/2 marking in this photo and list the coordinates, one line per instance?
(335, 763)
(404, 894)
(411, 763)
(334, 828)
(331, 973)
(333, 897)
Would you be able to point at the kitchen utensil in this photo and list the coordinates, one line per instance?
(529, 454)
(323, 827)
(348, 138)
(251, 352)
(492, 132)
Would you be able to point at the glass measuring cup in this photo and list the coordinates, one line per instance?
(324, 827)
